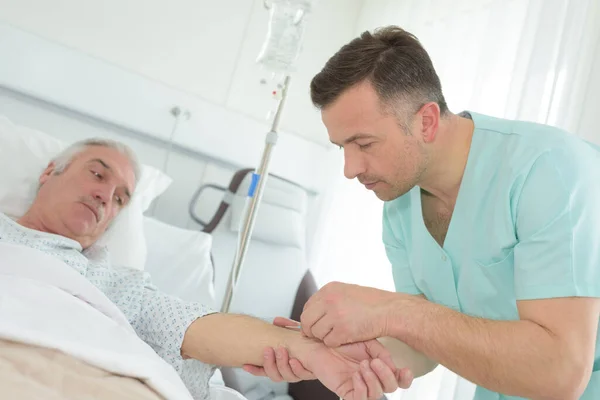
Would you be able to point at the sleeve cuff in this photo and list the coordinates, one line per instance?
(408, 290)
(556, 291)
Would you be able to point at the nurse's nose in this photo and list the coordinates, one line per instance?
(353, 164)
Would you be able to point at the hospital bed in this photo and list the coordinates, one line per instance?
(193, 264)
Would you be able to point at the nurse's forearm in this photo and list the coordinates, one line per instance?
(518, 358)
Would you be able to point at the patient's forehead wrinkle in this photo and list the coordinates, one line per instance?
(100, 161)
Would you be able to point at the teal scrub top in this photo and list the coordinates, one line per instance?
(526, 225)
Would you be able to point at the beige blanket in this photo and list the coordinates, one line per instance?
(36, 373)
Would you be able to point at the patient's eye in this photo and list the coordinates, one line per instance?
(365, 146)
(96, 174)
(119, 200)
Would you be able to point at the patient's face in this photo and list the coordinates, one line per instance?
(81, 201)
(377, 149)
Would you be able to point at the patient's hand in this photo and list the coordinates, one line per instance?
(358, 371)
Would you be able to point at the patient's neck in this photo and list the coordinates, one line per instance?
(33, 220)
(44, 220)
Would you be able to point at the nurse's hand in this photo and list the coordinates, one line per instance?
(341, 313)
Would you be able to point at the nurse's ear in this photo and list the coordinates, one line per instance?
(429, 116)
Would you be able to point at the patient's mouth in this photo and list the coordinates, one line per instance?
(93, 209)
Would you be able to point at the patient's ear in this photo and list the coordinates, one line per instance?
(48, 172)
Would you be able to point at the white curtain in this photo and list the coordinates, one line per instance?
(522, 59)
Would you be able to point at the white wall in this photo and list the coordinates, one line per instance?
(541, 71)
(204, 47)
(588, 125)
(173, 42)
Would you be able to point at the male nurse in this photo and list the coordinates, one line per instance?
(492, 228)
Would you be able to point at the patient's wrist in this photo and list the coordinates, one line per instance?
(301, 348)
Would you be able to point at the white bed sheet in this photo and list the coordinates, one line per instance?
(43, 302)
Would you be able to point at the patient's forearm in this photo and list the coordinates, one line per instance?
(405, 356)
(230, 340)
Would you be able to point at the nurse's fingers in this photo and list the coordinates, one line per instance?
(311, 316)
(322, 328)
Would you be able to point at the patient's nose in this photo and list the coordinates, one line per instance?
(103, 193)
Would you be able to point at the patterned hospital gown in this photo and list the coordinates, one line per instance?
(158, 319)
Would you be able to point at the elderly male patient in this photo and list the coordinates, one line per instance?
(81, 191)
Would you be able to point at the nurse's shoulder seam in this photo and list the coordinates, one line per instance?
(509, 126)
(566, 162)
(535, 140)
(571, 174)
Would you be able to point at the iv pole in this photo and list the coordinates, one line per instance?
(255, 192)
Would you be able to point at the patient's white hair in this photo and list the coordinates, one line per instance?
(62, 160)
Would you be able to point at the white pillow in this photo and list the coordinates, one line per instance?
(125, 238)
(180, 264)
(25, 153)
(179, 261)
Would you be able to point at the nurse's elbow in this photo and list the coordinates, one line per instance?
(569, 381)
(576, 381)
(405, 356)
(428, 366)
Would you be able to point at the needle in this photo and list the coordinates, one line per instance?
(294, 327)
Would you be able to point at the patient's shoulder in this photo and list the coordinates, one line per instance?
(97, 254)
